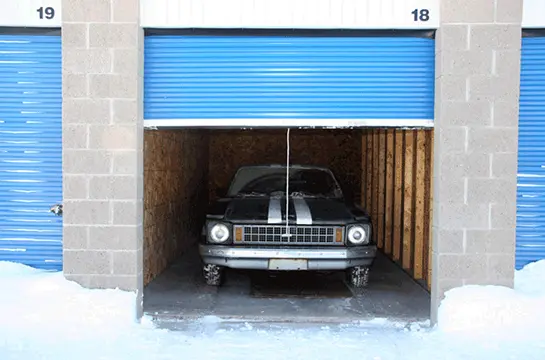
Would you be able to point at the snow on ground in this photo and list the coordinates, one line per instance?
(43, 316)
(494, 309)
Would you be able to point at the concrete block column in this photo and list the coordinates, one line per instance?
(102, 143)
(475, 165)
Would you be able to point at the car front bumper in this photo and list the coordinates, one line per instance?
(287, 258)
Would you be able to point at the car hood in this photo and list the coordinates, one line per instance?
(301, 210)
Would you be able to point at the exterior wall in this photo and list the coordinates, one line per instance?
(103, 140)
(175, 195)
(477, 87)
(290, 14)
(532, 14)
(477, 94)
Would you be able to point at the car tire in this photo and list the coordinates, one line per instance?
(213, 274)
(358, 276)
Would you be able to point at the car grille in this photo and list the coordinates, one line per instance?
(299, 235)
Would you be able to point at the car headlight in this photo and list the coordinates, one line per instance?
(219, 233)
(358, 235)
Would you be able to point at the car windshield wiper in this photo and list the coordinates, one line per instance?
(251, 194)
(307, 195)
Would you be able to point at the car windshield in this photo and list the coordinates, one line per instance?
(271, 181)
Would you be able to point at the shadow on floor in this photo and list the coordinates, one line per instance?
(179, 293)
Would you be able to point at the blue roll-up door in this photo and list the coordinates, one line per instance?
(531, 156)
(289, 77)
(30, 150)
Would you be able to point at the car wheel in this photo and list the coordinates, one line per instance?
(358, 276)
(213, 274)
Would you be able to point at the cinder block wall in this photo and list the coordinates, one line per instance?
(476, 124)
(102, 144)
(175, 195)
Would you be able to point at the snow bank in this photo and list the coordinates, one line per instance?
(530, 280)
(491, 310)
(35, 300)
(44, 316)
(10, 269)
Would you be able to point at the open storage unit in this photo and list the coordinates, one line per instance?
(216, 100)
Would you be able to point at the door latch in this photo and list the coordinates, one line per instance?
(56, 209)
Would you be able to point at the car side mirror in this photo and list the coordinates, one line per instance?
(349, 194)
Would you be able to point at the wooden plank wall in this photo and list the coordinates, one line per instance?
(338, 149)
(397, 192)
(175, 195)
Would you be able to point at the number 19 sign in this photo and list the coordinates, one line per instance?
(31, 13)
(47, 13)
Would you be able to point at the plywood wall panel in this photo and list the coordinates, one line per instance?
(376, 179)
(428, 211)
(420, 198)
(369, 171)
(381, 188)
(363, 170)
(408, 200)
(339, 149)
(175, 194)
(399, 152)
(389, 193)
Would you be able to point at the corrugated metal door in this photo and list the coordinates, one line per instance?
(289, 77)
(531, 158)
(30, 150)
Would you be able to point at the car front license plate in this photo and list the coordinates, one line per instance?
(288, 264)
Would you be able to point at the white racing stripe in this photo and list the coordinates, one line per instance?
(302, 211)
(275, 211)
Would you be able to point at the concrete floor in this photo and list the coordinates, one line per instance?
(179, 294)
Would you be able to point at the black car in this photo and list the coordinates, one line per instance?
(256, 226)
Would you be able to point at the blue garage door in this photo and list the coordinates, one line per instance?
(266, 78)
(30, 150)
(531, 158)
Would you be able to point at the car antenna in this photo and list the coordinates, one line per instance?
(287, 233)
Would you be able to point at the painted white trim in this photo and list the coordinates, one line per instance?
(291, 14)
(533, 14)
(323, 123)
(19, 13)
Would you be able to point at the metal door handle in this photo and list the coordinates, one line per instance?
(56, 209)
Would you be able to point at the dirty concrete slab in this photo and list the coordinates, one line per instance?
(179, 294)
